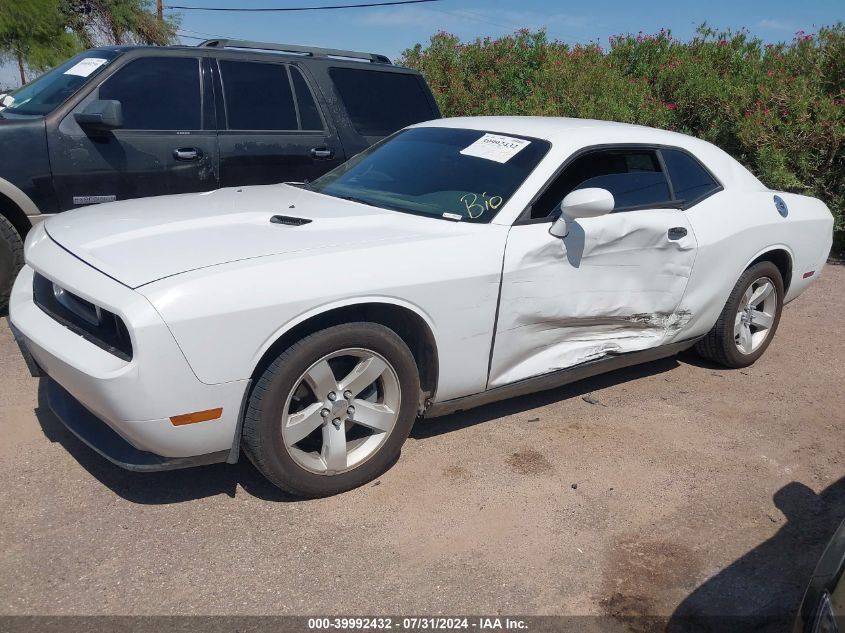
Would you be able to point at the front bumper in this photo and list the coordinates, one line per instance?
(100, 437)
(134, 398)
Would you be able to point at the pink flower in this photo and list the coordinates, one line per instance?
(669, 106)
(771, 72)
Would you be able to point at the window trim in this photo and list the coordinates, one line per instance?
(525, 218)
(295, 68)
(198, 59)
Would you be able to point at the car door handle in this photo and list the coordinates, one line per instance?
(186, 153)
(677, 232)
(322, 153)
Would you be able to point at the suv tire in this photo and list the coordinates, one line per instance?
(11, 260)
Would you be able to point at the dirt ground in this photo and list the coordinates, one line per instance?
(671, 488)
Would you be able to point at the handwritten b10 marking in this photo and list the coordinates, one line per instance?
(476, 205)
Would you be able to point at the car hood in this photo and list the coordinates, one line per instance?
(140, 241)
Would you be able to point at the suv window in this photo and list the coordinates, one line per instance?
(42, 95)
(379, 103)
(309, 116)
(634, 177)
(157, 93)
(690, 181)
(258, 96)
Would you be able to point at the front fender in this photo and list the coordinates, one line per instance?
(226, 317)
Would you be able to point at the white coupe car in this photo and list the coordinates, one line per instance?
(456, 263)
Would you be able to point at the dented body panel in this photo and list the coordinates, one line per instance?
(613, 285)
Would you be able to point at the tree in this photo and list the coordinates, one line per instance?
(38, 34)
(102, 22)
(33, 34)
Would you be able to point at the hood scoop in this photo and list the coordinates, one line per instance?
(289, 220)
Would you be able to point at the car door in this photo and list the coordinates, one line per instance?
(273, 130)
(167, 144)
(613, 285)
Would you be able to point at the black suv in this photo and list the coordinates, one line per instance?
(127, 122)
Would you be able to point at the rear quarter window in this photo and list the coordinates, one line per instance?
(690, 180)
(379, 103)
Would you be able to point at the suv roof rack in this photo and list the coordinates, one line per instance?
(311, 51)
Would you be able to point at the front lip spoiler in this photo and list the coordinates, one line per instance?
(92, 431)
(34, 369)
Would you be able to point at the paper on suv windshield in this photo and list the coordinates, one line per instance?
(496, 147)
(86, 66)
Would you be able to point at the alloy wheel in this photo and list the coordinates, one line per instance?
(755, 315)
(341, 411)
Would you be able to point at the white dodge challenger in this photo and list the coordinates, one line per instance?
(456, 263)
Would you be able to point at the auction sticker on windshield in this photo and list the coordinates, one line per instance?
(86, 66)
(496, 147)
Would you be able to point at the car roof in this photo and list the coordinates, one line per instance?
(570, 134)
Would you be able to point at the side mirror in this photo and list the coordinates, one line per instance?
(102, 114)
(582, 203)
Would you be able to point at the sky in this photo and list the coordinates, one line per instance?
(390, 30)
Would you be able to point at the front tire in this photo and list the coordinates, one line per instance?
(748, 322)
(332, 411)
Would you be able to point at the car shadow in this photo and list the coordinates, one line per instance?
(762, 590)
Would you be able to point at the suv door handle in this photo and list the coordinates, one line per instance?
(322, 153)
(677, 232)
(186, 153)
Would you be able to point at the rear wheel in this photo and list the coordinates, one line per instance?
(11, 259)
(748, 322)
(333, 410)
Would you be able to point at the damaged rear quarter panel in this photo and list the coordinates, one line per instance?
(612, 285)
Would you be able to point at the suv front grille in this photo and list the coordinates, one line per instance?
(104, 329)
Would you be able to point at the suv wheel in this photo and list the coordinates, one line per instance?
(749, 319)
(11, 259)
(333, 410)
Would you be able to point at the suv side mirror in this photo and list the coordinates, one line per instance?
(582, 203)
(101, 114)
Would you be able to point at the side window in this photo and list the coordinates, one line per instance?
(157, 93)
(258, 96)
(378, 102)
(634, 177)
(309, 116)
(690, 180)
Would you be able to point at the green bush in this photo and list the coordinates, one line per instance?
(778, 108)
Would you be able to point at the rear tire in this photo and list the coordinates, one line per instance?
(332, 411)
(11, 260)
(737, 340)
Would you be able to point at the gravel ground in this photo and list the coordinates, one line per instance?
(673, 487)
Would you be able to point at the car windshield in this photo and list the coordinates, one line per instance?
(442, 172)
(53, 88)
